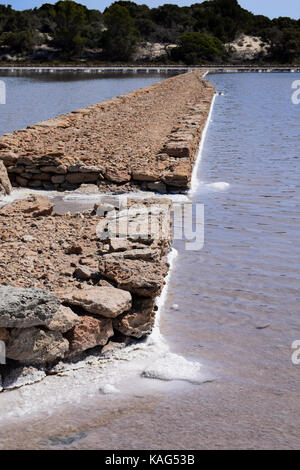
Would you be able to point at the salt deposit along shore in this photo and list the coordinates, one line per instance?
(69, 284)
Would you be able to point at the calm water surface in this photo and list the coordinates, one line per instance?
(238, 298)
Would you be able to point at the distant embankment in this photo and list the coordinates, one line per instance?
(147, 139)
(224, 68)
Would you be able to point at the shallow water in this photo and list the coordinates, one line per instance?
(232, 307)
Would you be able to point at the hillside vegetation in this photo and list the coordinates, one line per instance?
(213, 31)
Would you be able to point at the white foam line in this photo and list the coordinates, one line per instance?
(166, 365)
(156, 335)
(194, 179)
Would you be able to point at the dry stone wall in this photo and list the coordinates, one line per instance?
(147, 139)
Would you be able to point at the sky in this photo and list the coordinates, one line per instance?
(270, 8)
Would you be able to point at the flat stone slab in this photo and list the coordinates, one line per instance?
(106, 301)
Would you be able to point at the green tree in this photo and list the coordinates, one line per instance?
(197, 47)
(285, 45)
(142, 17)
(19, 41)
(120, 38)
(70, 19)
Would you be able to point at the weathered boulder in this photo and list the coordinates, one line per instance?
(5, 185)
(139, 321)
(179, 149)
(36, 346)
(53, 123)
(178, 177)
(145, 174)
(100, 300)
(23, 308)
(8, 157)
(31, 207)
(140, 277)
(63, 320)
(120, 244)
(83, 272)
(117, 174)
(89, 333)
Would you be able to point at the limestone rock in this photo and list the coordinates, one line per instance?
(53, 123)
(146, 254)
(64, 320)
(89, 333)
(78, 178)
(23, 308)
(30, 207)
(36, 346)
(179, 177)
(119, 244)
(5, 186)
(117, 175)
(100, 300)
(59, 170)
(145, 174)
(140, 277)
(139, 321)
(8, 157)
(74, 249)
(178, 149)
(83, 272)
(123, 244)
(143, 253)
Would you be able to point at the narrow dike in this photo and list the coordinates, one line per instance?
(83, 282)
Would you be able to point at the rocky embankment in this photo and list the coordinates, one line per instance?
(147, 139)
(72, 283)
